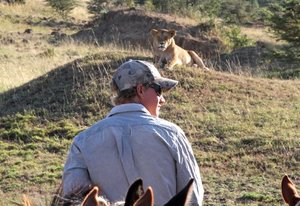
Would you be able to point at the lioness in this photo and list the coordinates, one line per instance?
(167, 54)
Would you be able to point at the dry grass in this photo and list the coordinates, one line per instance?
(80, 12)
(30, 62)
(32, 8)
(28, 56)
(39, 8)
(260, 34)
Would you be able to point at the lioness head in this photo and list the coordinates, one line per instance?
(162, 38)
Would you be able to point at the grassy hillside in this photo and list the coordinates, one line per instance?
(244, 130)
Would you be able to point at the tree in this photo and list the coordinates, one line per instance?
(169, 6)
(63, 7)
(284, 21)
(235, 11)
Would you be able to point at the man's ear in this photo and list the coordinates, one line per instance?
(139, 89)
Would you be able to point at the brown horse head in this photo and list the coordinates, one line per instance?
(135, 196)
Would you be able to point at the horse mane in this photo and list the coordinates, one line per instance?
(75, 199)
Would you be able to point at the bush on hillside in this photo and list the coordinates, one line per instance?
(235, 39)
(99, 7)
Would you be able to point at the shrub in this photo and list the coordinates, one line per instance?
(236, 39)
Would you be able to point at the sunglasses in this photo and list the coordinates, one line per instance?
(157, 88)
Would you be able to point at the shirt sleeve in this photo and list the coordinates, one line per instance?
(187, 168)
(76, 179)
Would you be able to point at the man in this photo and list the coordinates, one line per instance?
(133, 142)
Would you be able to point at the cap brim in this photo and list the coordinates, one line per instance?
(165, 83)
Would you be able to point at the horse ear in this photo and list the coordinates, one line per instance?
(183, 197)
(91, 198)
(147, 199)
(135, 191)
(289, 191)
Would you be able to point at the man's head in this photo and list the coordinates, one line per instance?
(132, 80)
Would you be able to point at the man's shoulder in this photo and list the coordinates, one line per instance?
(95, 128)
(169, 125)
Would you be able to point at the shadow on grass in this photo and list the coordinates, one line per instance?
(78, 89)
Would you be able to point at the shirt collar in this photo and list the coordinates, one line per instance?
(130, 107)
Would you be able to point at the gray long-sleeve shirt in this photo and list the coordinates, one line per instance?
(129, 144)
